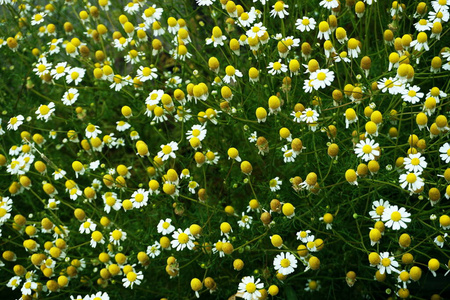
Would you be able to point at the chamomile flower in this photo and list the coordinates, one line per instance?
(411, 181)
(388, 85)
(288, 154)
(415, 163)
(411, 94)
(92, 131)
(96, 238)
(329, 4)
(277, 67)
(70, 96)
(321, 78)
(75, 75)
(116, 236)
(38, 18)
(168, 150)
(387, 264)
(421, 42)
(42, 67)
(279, 9)
(14, 282)
(396, 218)
(275, 184)
(122, 126)
(198, 131)
(154, 250)
(324, 31)
(182, 239)
(139, 198)
(87, 226)
(285, 263)
(444, 151)
(15, 122)
(245, 221)
(146, 73)
(132, 278)
(250, 288)
(305, 24)
(257, 30)
(378, 208)
(439, 240)
(165, 227)
(231, 74)
(154, 97)
(44, 112)
(309, 116)
(246, 19)
(367, 150)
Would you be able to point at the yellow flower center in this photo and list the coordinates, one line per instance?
(273, 183)
(44, 109)
(423, 22)
(41, 68)
(288, 153)
(389, 83)
(386, 262)
(195, 132)
(244, 16)
(167, 149)
(309, 113)
(38, 17)
(255, 29)
(277, 66)
(13, 121)
(279, 6)
(321, 76)
(411, 93)
(305, 22)
(2, 212)
(86, 224)
(396, 216)
(411, 178)
(183, 238)
(74, 75)
(379, 210)
(139, 198)
(250, 287)
(90, 128)
(285, 263)
(415, 161)
(131, 276)
(367, 149)
(166, 225)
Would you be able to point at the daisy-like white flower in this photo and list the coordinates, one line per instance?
(444, 151)
(378, 207)
(439, 240)
(192, 185)
(367, 150)
(218, 247)
(305, 24)
(231, 74)
(15, 281)
(396, 218)
(329, 4)
(309, 116)
(75, 75)
(288, 154)
(411, 181)
(154, 250)
(139, 198)
(388, 85)
(120, 43)
(250, 288)
(44, 112)
(92, 131)
(423, 25)
(324, 31)
(15, 122)
(98, 296)
(411, 94)
(120, 81)
(441, 16)
(122, 126)
(168, 151)
(279, 9)
(303, 235)
(116, 236)
(87, 226)
(198, 131)
(285, 263)
(253, 137)
(415, 163)
(154, 97)
(42, 67)
(38, 18)
(146, 73)
(257, 30)
(277, 67)
(132, 278)
(247, 18)
(388, 264)
(245, 221)
(275, 184)
(152, 14)
(421, 42)
(165, 227)
(321, 78)
(96, 238)
(70, 96)
(182, 239)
